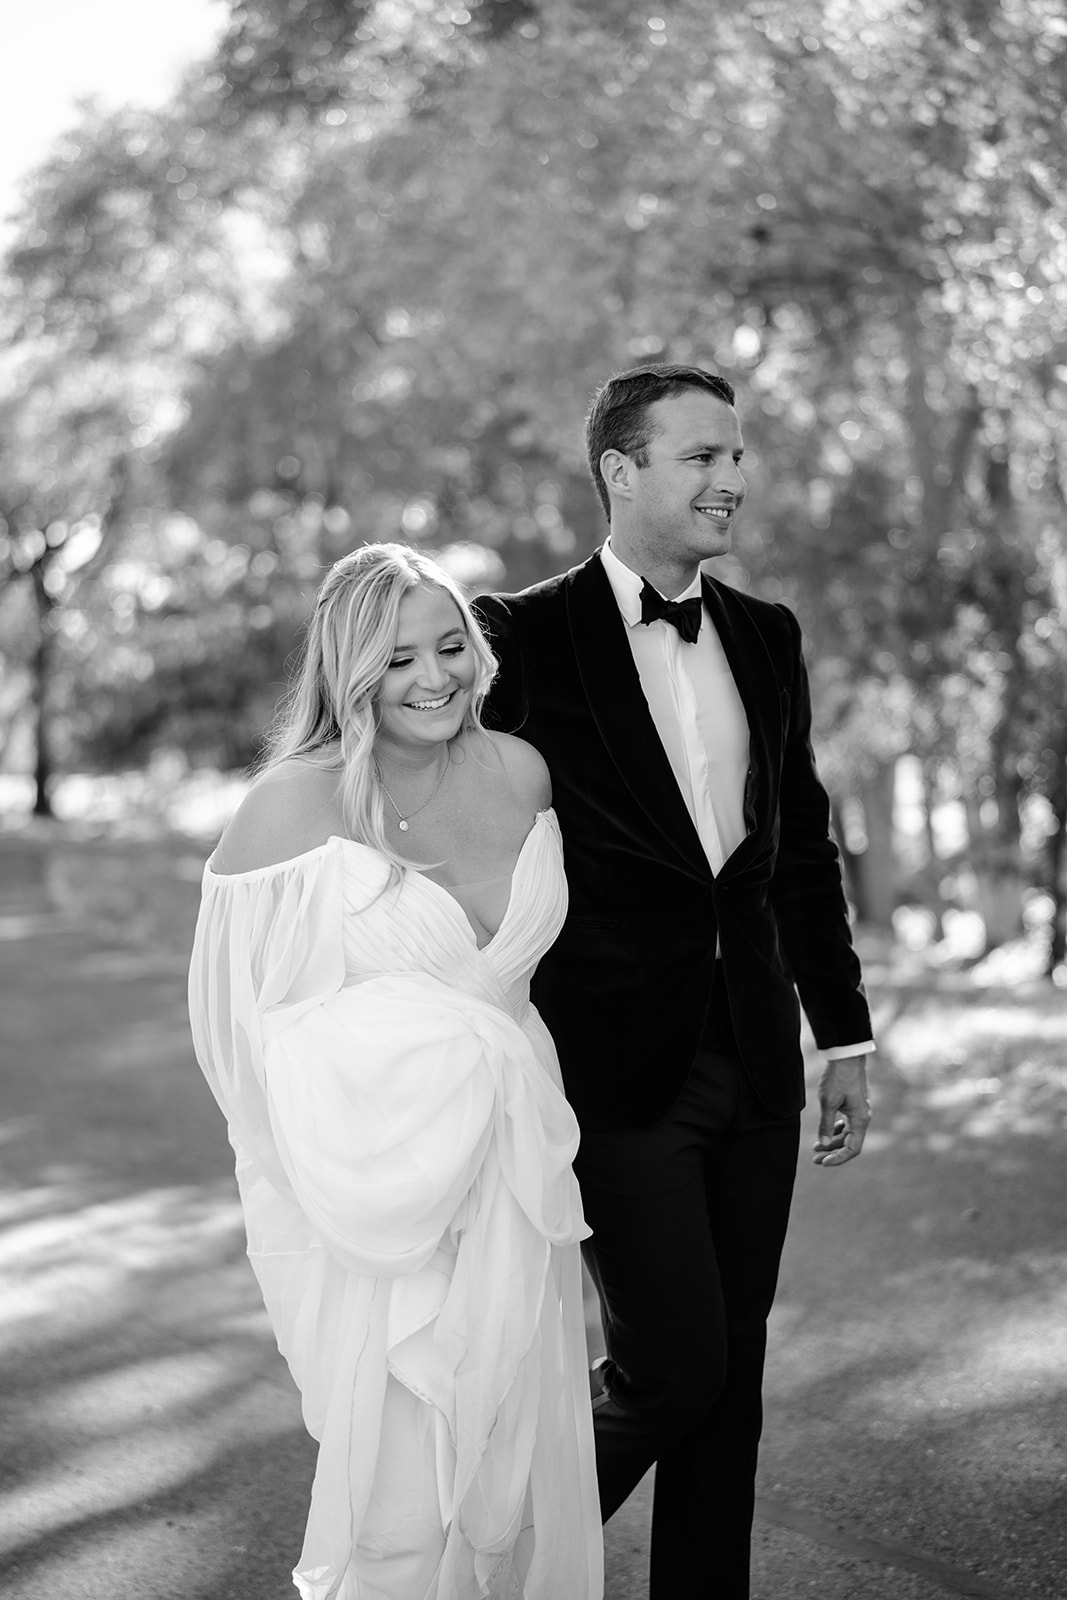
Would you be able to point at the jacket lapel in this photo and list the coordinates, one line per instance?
(757, 683)
(613, 690)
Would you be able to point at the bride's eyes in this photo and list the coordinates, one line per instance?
(449, 650)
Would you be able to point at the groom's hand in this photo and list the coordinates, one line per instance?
(844, 1111)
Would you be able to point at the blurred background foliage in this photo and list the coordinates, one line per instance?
(359, 278)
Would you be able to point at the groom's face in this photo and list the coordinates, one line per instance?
(686, 497)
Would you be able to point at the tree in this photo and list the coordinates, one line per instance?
(439, 231)
(106, 293)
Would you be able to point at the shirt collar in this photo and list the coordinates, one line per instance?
(626, 585)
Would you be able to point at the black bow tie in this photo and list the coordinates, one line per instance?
(681, 614)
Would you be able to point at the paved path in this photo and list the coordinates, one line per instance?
(150, 1442)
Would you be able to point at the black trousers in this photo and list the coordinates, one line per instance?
(688, 1219)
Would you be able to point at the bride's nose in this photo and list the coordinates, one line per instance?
(434, 674)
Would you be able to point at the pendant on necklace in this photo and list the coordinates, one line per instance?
(402, 825)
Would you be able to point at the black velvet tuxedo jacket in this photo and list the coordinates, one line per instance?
(625, 989)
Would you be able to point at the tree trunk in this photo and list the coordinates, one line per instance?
(928, 780)
(1003, 889)
(877, 864)
(41, 670)
(850, 860)
(1004, 866)
(1056, 881)
(1057, 862)
(1000, 895)
(997, 869)
(940, 462)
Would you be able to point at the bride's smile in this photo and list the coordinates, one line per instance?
(428, 684)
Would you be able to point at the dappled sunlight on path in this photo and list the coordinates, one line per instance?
(152, 1447)
(151, 1443)
(920, 1331)
(55, 1247)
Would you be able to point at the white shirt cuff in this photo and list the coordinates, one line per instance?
(838, 1052)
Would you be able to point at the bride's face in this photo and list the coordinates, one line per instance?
(430, 677)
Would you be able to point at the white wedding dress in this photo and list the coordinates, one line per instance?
(404, 1160)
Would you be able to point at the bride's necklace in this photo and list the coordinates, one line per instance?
(402, 821)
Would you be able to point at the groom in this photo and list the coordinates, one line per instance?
(705, 892)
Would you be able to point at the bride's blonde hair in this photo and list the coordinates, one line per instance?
(331, 714)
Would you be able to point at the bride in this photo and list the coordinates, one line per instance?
(359, 996)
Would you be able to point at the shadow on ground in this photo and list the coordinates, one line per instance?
(917, 1373)
(152, 1448)
(151, 1443)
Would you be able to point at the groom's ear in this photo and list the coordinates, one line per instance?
(617, 472)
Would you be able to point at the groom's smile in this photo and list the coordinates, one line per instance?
(677, 498)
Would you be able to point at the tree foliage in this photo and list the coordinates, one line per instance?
(361, 278)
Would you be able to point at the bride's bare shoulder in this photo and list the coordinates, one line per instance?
(524, 767)
(290, 809)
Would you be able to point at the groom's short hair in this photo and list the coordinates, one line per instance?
(618, 417)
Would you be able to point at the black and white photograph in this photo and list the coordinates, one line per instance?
(533, 800)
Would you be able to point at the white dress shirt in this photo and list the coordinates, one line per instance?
(697, 711)
(699, 717)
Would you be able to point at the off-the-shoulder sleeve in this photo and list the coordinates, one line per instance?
(268, 947)
(368, 1101)
(389, 1122)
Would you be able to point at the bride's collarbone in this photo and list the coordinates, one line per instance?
(462, 846)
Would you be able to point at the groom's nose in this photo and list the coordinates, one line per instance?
(728, 479)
